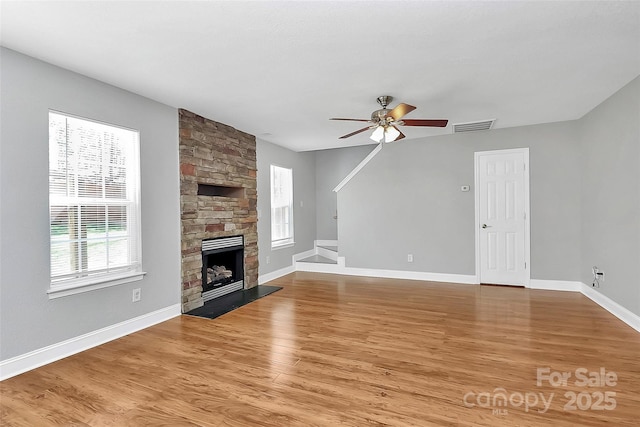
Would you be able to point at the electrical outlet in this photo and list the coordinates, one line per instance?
(268, 260)
(410, 258)
(598, 277)
(137, 294)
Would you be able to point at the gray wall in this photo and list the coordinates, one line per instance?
(610, 161)
(28, 319)
(408, 200)
(332, 166)
(304, 216)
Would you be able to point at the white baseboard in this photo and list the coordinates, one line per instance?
(302, 255)
(555, 285)
(340, 268)
(611, 306)
(603, 301)
(411, 275)
(326, 243)
(318, 267)
(34, 359)
(275, 274)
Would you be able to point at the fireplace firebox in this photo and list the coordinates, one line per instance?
(222, 266)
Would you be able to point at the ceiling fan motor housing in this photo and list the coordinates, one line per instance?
(380, 115)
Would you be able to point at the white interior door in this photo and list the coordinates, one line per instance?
(501, 211)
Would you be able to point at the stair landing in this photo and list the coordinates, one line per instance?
(325, 259)
(318, 259)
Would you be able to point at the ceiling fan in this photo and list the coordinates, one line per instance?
(384, 121)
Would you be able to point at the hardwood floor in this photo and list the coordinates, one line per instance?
(333, 350)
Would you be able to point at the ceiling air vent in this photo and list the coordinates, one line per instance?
(473, 126)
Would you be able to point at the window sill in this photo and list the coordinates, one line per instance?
(86, 285)
(283, 246)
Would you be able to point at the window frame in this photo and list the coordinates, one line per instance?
(97, 279)
(289, 240)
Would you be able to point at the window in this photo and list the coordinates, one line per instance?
(281, 206)
(94, 203)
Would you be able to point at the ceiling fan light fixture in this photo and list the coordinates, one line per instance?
(391, 134)
(385, 134)
(378, 134)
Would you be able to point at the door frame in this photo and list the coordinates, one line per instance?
(527, 209)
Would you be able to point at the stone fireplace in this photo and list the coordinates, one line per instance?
(218, 199)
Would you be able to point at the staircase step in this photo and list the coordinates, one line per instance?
(318, 259)
(327, 251)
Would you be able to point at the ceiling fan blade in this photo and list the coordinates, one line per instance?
(351, 120)
(400, 111)
(425, 122)
(354, 133)
(399, 136)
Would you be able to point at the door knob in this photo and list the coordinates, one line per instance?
(485, 226)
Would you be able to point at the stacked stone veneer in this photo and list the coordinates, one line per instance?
(215, 154)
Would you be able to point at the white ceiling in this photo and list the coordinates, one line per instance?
(280, 70)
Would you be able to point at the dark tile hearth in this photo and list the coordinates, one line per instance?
(224, 304)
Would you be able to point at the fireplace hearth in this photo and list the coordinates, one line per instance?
(222, 266)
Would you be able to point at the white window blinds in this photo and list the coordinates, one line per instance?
(281, 206)
(94, 200)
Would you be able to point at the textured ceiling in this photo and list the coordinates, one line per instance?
(280, 70)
